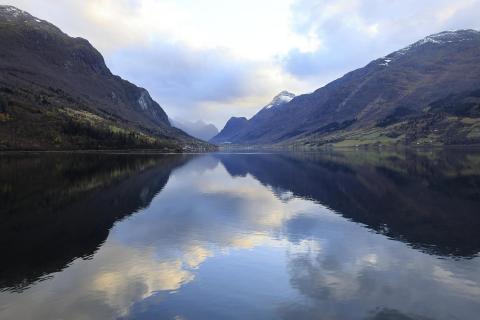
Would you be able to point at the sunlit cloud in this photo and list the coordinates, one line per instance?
(118, 277)
(354, 32)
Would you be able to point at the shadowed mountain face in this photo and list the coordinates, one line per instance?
(57, 92)
(233, 126)
(430, 201)
(56, 208)
(396, 99)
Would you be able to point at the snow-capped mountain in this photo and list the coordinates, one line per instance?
(438, 39)
(12, 14)
(280, 99)
(236, 125)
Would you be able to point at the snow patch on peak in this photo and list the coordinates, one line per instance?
(280, 99)
(434, 39)
(385, 62)
(11, 10)
(13, 14)
(285, 95)
(441, 38)
(285, 98)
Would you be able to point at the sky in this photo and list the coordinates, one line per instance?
(212, 59)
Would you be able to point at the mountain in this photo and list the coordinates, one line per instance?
(426, 93)
(238, 126)
(278, 101)
(232, 127)
(56, 92)
(198, 129)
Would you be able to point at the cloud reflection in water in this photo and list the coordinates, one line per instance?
(221, 240)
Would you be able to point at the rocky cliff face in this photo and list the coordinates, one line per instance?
(386, 100)
(57, 92)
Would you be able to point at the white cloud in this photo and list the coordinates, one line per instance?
(353, 33)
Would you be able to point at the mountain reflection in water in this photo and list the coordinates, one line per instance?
(333, 235)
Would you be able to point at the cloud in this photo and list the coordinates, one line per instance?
(161, 250)
(183, 78)
(241, 211)
(352, 33)
(109, 284)
(204, 60)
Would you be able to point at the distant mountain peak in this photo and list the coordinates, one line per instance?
(197, 128)
(449, 36)
(13, 14)
(236, 120)
(441, 38)
(11, 11)
(280, 99)
(232, 127)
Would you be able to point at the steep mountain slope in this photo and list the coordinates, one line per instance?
(198, 129)
(394, 99)
(237, 128)
(233, 126)
(57, 92)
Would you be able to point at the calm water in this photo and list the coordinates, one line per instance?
(354, 235)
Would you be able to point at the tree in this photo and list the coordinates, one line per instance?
(3, 104)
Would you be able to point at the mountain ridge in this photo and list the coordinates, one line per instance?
(231, 128)
(235, 124)
(56, 92)
(353, 109)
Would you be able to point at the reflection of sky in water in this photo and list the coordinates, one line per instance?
(212, 246)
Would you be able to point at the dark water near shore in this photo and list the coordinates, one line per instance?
(351, 235)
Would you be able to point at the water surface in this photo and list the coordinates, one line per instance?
(333, 235)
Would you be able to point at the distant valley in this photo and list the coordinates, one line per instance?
(198, 129)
